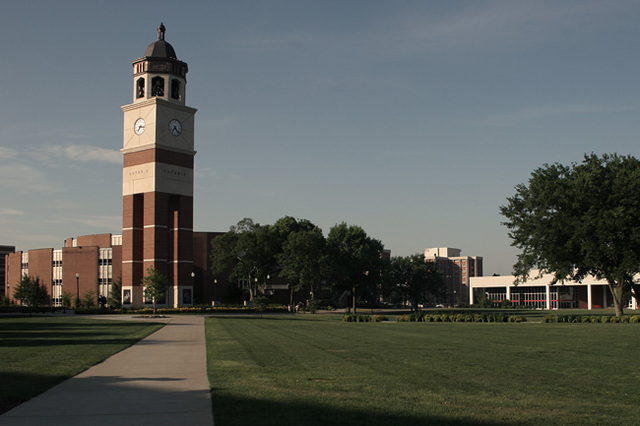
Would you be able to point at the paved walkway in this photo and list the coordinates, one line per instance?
(161, 380)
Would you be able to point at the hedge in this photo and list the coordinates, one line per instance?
(420, 316)
(591, 319)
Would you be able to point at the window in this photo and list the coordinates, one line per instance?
(175, 89)
(140, 88)
(157, 86)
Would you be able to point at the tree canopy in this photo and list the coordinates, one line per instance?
(246, 253)
(296, 251)
(355, 261)
(303, 259)
(416, 279)
(578, 220)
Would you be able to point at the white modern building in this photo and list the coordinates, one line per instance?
(590, 293)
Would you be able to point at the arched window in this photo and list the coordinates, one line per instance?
(157, 86)
(140, 88)
(175, 89)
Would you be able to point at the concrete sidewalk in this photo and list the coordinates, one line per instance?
(161, 380)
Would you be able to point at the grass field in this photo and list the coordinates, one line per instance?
(38, 352)
(317, 370)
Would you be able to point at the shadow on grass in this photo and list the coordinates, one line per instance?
(33, 332)
(16, 388)
(230, 411)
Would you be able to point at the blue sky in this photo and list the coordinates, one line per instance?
(412, 119)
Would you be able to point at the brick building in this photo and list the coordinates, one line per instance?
(4, 250)
(85, 264)
(456, 271)
(92, 263)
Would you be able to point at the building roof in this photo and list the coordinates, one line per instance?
(160, 48)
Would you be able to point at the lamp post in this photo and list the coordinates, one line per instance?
(77, 289)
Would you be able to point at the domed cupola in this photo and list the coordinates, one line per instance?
(159, 73)
(160, 48)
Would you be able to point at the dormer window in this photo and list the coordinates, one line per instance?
(157, 86)
(175, 89)
(140, 88)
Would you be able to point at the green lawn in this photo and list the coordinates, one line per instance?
(39, 352)
(317, 370)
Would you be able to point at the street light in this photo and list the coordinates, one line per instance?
(77, 289)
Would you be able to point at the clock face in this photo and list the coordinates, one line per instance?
(175, 127)
(138, 126)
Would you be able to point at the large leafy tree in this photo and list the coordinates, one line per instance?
(579, 220)
(355, 261)
(416, 279)
(31, 293)
(247, 252)
(304, 260)
(155, 285)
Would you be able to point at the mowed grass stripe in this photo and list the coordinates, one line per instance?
(316, 370)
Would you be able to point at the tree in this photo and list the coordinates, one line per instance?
(416, 278)
(115, 294)
(355, 261)
(260, 304)
(579, 220)
(303, 259)
(89, 299)
(66, 299)
(31, 293)
(155, 285)
(246, 253)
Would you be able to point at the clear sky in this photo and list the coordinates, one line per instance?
(412, 119)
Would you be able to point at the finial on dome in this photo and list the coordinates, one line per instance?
(161, 31)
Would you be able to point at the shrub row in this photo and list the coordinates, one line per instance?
(364, 318)
(183, 310)
(25, 309)
(420, 316)
(591, 319)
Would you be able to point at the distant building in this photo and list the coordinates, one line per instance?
(4, 250)
(92, 263)
(456, 271)
(540, 293)
(85, 264)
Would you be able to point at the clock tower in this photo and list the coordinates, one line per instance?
(157, 179)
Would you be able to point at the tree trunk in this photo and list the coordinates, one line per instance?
(353, 299)
(290, 296)
(616, 289)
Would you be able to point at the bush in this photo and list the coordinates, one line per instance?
(506, 303)
(359, 318)
(417, 316)
(378, 318)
